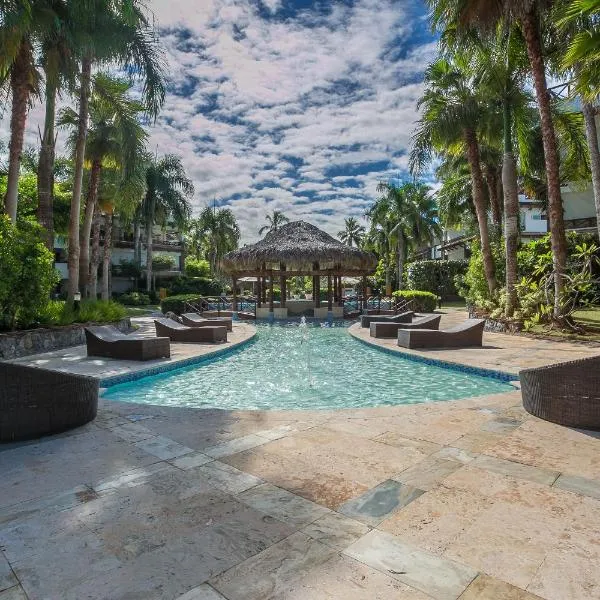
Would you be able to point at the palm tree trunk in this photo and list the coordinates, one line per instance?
(149, 255)
(45, 171)
(20, 89)
(86, 229)
(592, 139)
(510, 186)
(555, 206)
(401, 251)
(480, 208)
(95, 257)
(491, 180)
(108, 219)
(137, 243)
(84, 100)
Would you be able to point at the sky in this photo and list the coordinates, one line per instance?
(301, 106)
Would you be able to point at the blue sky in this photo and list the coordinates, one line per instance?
(293, 105)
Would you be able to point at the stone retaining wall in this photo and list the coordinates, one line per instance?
(496, 326)
(15, 344)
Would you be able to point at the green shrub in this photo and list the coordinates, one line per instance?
(162, 262)
(421, 301)
(134, 299)
(196, 267)
(127, 268)
(27, 273)
(57, 312)
(176, 304)
(194, 285)
(435, 276)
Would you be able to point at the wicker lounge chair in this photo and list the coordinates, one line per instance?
(104, 340)
(405, 317)
(36, 402)
(381, 329)
(177, 332)
(567, 393)
(468, 333)
(196, 320)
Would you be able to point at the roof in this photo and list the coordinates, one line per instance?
(298, 245)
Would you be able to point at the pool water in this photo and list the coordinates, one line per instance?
(304, 367)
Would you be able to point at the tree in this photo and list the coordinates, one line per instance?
(411, 210)
(168, 191)
(528, 14)
(116, 140)
(108, 31)
(353, 232)
(274, 222)
(218, 233)
(451, 118)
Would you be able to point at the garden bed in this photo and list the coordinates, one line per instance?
(14, 344)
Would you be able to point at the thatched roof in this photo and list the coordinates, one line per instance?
(299, 245)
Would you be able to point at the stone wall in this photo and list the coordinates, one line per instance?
(496, 326)
(15, 344)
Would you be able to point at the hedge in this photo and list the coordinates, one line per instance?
(134, 299)
(201, 286)
(435, 276)
(421, 301)
(176, 304)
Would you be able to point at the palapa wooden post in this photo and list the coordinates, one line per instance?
(264, 283)
(271, 291)
(235, 303)
(364, 293)
(283, 285)
(329, 292)
(317, 287)
(259, 291)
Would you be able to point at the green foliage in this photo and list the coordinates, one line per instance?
(162, 262)
(126, 268)
(28, 274)
(196, 267)
(421, 301)
(58, 312)
(436, 276)
(134, 299)
(177, 304)
(201, 286)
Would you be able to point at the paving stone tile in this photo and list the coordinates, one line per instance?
(426, 474)
(273, 570)
(7, 577)
(236, 445)
(283, 505)
(190, 461)
(131, 478)
(484, 587)
(477, 441)
(441, 578)
(458, 454)
(227, 478)
(132, 432)
(391, 438)
(501, 425)
(514, 469)
(163, 448)
(336, 530)
(13, 593)
(277, 432)
(380, 502)
(109, 420)
(579, 485)
(202, 592)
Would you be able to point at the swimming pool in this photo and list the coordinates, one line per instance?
(289, 367)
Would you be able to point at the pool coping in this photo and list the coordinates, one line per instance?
(438, 362)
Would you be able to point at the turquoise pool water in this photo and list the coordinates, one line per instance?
(313, 367)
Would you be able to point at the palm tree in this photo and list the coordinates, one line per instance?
(274, 222)
(108, 32)
(528, 14)
(452, 115)
(411, 210)
(219, 233)
(115, 139)
(379, 240)
(353, 232)
(168, 191)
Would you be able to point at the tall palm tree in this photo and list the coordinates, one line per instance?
(379, 240)
(274, 222)
(528, 14)
(353, 232)
(108, 32)
(219, 233)
(167, 197)
(411, 210)
(115, 139)
(451, 118)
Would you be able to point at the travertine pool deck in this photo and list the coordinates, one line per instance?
(470, 499)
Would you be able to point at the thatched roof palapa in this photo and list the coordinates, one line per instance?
(299, 245)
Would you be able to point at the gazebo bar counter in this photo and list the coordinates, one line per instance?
(293, 250)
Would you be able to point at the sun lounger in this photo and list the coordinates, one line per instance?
(177, 332)
(468, 333)
(196, 320)
(381, 329)
(105, 340)
(567, 393)
(405, 317)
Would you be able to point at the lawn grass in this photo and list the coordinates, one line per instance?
(586, 317)
(141, 311)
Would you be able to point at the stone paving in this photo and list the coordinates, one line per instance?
(470, 499)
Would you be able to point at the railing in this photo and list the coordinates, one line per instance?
(245, 304)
